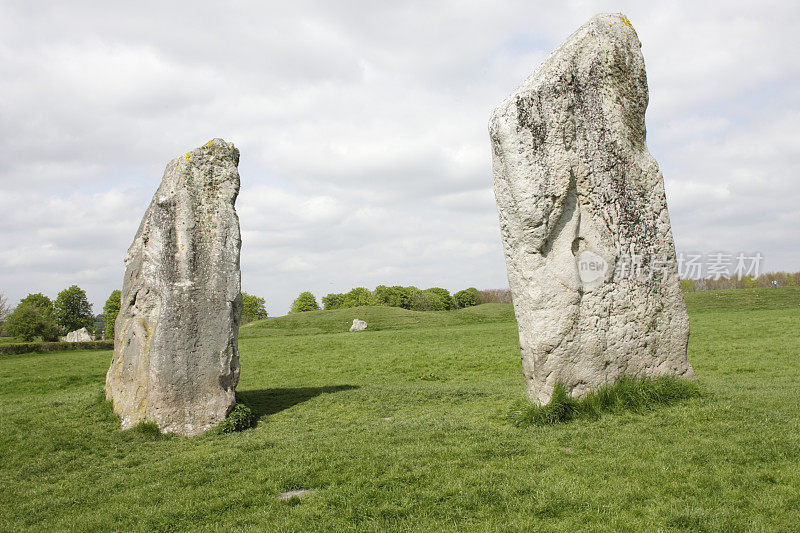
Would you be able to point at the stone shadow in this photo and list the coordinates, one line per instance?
(270, 401)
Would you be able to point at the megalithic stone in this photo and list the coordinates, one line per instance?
(176, 355)
(583, 216)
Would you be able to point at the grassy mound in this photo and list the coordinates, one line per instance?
(377, 318)
(392, 318)
(627, 394)
(743, 299)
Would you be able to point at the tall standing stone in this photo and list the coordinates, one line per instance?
(176, 355)
(588, 245)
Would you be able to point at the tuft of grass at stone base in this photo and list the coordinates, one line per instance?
(627, 394)
(240, 418)
(148, 431)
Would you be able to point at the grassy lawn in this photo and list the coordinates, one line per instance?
(403, 427)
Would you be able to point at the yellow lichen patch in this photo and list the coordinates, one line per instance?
(625, 21)
(188, 156)
(147, 329)
(140, 407)
(209, 142)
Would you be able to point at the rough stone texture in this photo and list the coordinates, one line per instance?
(575, 184)
(358, 325)
(176, 356)
(79, 335)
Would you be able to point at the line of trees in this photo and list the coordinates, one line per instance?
(36, 315)
(770, 279)
(433, 299)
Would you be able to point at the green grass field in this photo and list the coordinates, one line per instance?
(403, 427)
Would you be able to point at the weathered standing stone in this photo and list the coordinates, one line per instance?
(176, 356)
(358, 325)
(581, 204)
(79, 335)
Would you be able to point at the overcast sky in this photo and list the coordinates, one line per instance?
(362, 128)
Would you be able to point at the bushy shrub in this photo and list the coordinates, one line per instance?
(29, 322)
(420, 300)
(395, 296)
(239, 419)
(748, 282)
(494, 296)
(41, 347)
(305, 302)
(466, 298)
(768, 279)
(358, 297)
(426, 300)
(110, 312)
(780, 279)
(252, 308)
(334, 300)
(440, 299)
(433, 299)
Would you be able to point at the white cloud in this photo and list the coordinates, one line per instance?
(362, 128)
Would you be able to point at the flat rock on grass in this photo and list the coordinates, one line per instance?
(288, 495)
(358, 325)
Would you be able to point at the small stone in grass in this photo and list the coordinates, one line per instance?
(289, 494)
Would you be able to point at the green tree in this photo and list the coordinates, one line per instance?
(466, 298)
(440, 299)
(420, 300)
(29, 321)
(110, 312)
(39, 300)
(333, 300)
(394, 296)
(252, 308)
(358, 297)
(73, 310)
(305, 302)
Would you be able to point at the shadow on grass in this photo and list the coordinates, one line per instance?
(270, 401)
